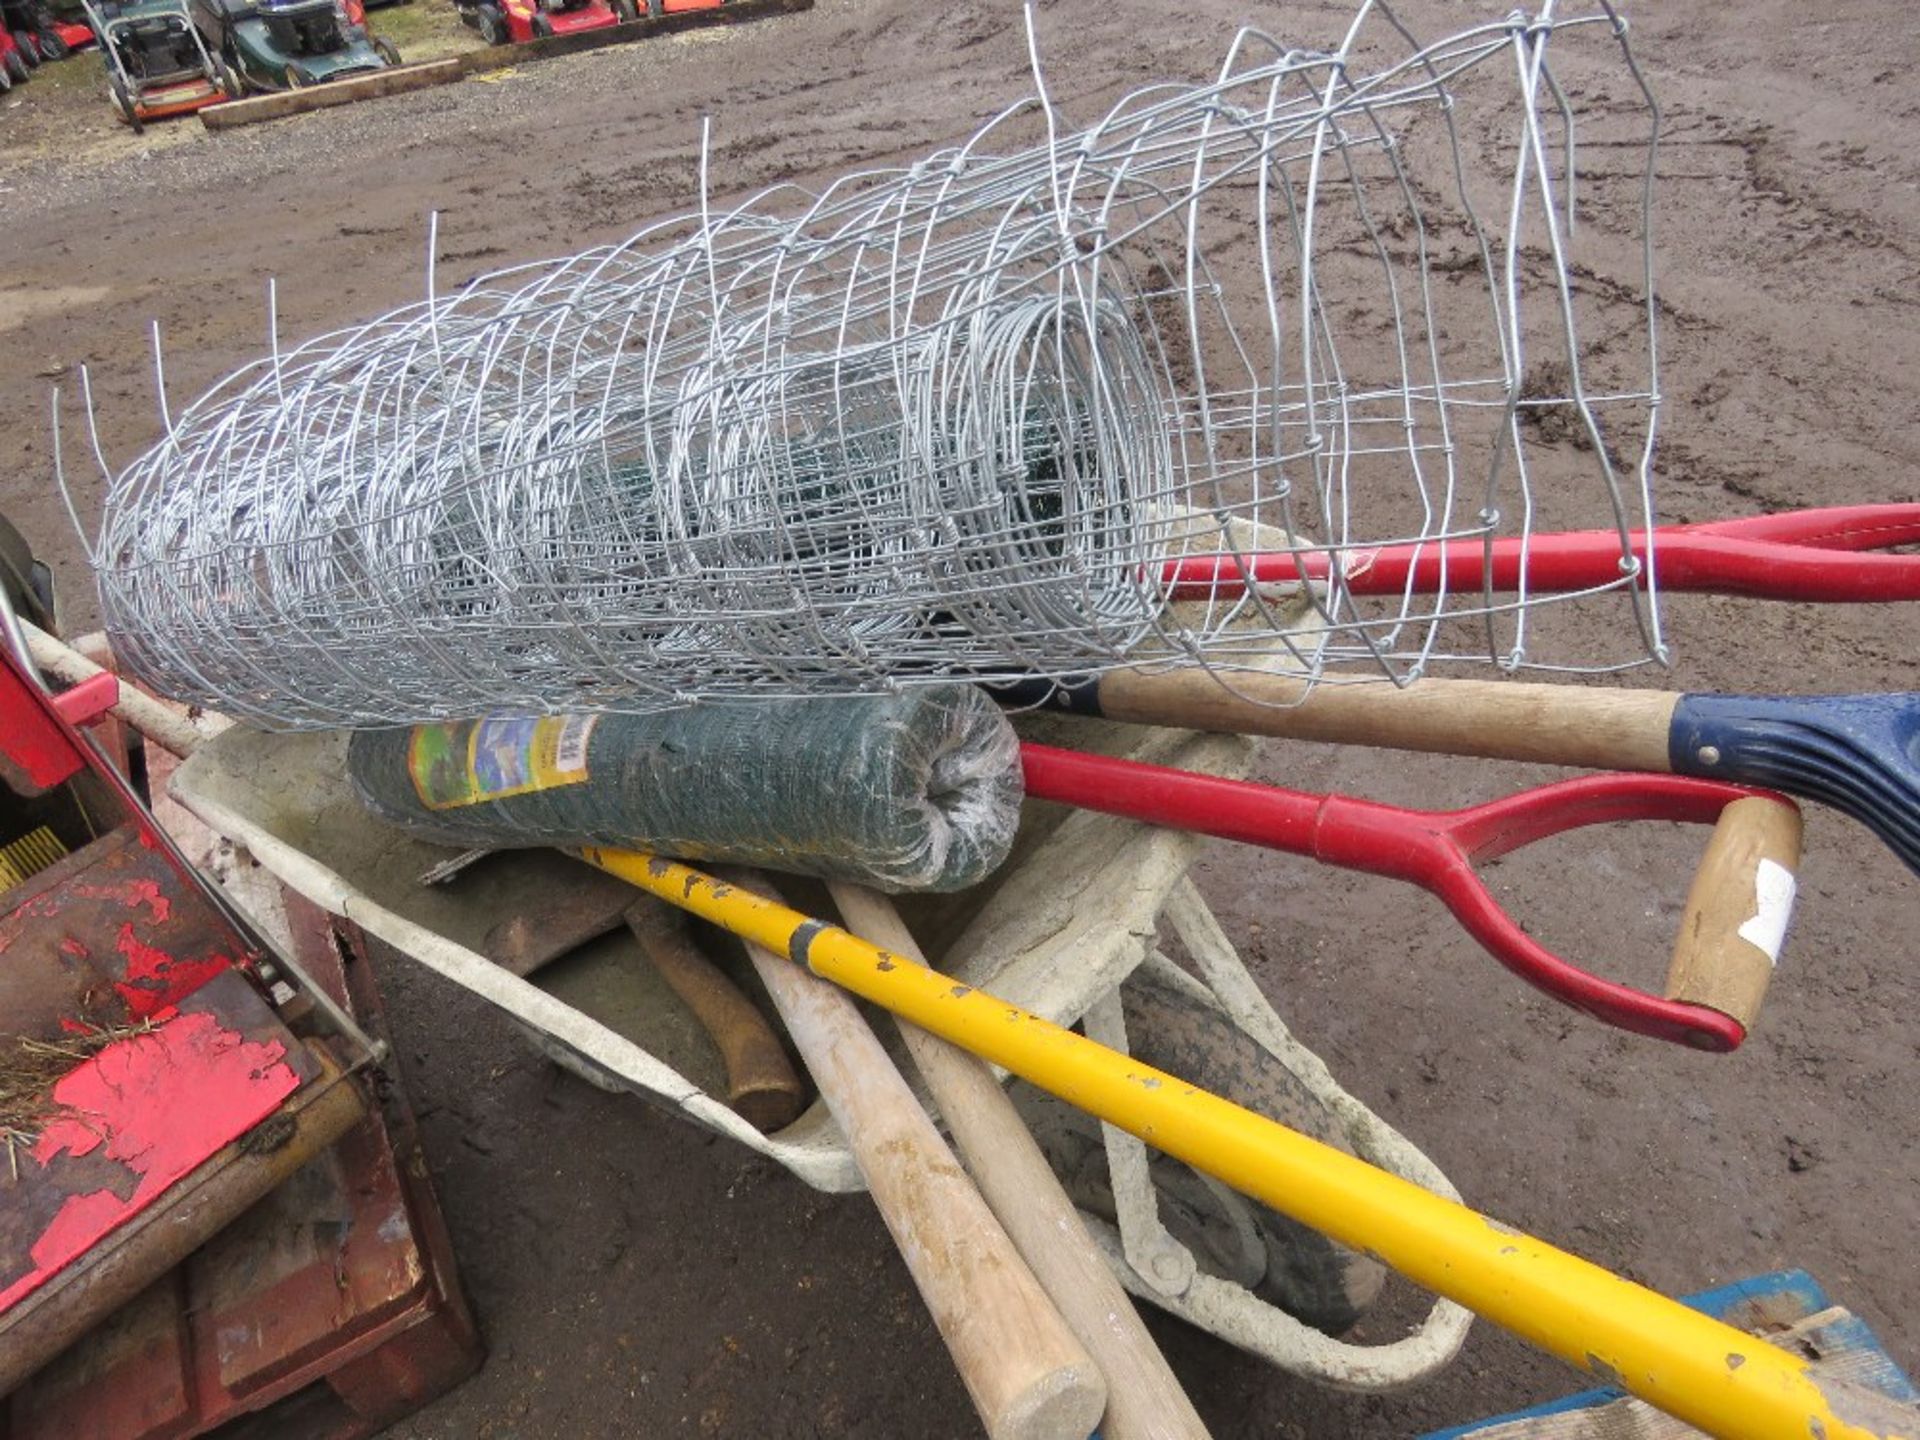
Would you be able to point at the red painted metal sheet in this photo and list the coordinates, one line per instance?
(35, 753)
(38, 749)
(348, 1301)
(155, 1105)
(328, 1311)
(111, 933)
(119, 932)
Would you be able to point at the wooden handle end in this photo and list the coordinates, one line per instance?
(1738, 908)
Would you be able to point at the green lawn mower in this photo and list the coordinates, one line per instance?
(287, 44)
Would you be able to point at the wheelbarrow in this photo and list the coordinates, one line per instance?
(1074, 928)
(286, 801)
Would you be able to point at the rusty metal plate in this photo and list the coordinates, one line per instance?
(115, 934)
(127, 1124)
(111, 933)
(127, 1378)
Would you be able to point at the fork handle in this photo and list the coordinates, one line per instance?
(1601, 729)
(1859, 754)
(1738, 909)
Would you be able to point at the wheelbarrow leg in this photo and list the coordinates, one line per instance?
(1159, 1260)
(1233, 1311)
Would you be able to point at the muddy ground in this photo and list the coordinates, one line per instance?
(635, 1277)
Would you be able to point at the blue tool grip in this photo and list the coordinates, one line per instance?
(1859, 754)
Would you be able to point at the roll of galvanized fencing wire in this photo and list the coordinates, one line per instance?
(966, 417)
(909, 792)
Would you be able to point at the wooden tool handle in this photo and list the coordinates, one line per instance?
(1144, 1399)
(1554, 724)
(762, 1087)
(1028, 1377)
(171, 727)
(1597, 1321)
(522, 944)
(1737, 909)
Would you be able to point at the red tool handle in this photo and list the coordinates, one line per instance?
(1433, 849)
(1809, 555)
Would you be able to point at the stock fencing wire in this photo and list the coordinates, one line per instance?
(969, 418)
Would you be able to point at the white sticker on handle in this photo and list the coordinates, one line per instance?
(1773, 891)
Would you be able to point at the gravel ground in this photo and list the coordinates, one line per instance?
(637, 1278)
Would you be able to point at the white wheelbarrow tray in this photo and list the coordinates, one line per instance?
(1076, 911)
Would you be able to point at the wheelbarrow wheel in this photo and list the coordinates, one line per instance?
(27, 584)
(16, 67)
(1314, 1279)
(52, 47)
(30, 52)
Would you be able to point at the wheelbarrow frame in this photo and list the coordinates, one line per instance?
(240, 782)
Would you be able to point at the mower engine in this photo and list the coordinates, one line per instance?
(303, 27)
(156, 49)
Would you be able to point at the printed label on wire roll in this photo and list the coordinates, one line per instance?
(471, 761)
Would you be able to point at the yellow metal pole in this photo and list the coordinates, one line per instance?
(1717, 1378)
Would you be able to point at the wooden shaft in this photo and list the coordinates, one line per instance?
(526, 942)
(1554, 724)
(1027, 1375)
(1737, 909)
(1688, 1364)
(1144, 1399)
(161, 723)
(762, 1087)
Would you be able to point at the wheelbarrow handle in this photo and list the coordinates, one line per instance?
(1804, 555)
(1730, 934)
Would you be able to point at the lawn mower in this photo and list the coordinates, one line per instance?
(157, 65)
(504, 22)
(40, 33)
(13, 64)
(70, 19)
(287, 44)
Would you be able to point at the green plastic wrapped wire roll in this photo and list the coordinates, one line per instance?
(909, 792)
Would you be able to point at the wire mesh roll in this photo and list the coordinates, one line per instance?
(957, 419)
(893, 506)
(918, 791)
